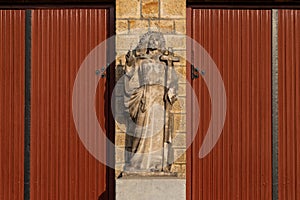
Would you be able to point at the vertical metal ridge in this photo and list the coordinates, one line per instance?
(12, 58)
(294, 112)
(2, 157)
(275, 104)
(8, 94)
(19, 19)
(288, 104)
(226, 82)
(297, 100)
(2, 61)
(27, 114)
(8, 55)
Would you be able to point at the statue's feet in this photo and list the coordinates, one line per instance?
(155, 170)
(129, 168)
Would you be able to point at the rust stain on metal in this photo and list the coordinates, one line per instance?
(61, 168)
(12, 74)
(239, 167)
(289, 104)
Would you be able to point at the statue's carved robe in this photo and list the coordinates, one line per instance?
(148, 105)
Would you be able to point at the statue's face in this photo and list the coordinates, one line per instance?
(154, 42)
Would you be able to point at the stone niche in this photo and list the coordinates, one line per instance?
(134, 19)
(150, 99)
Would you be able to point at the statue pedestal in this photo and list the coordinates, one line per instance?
(150, 188)
(148, 174)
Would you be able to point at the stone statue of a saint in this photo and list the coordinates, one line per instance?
(151, 86)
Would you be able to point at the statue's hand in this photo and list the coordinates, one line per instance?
(129, 58)
(172, 95)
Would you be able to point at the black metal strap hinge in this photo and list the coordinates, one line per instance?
(194, 72)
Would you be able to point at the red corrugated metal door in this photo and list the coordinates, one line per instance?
(12, 73)
(289, 104)
(61, 167)
(239, 166)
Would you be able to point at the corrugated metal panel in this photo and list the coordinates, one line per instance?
(61, 167)
(239, 167)
(12, 61)
(239, 1)
(289, 103)
(56, 1)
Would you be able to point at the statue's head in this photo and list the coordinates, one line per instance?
(154, 42)
(151, 40)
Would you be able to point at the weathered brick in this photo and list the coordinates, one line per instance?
(180, 169)
(150, 8)
(128, 9)
(179, 106)
(182, 89)
(183, 168)
(124, 42)
(173, 9)
(120, 139)
(181, 175)
(179, 156)
(153, 27)
(180, 122)
(120, 156)
(176, 168)
(121, 26)
(182, 56)
(179, 140)
(120, 128)
(164, 26)
(138, 26)
(181, 72)
(176, 41)
(180, 26)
